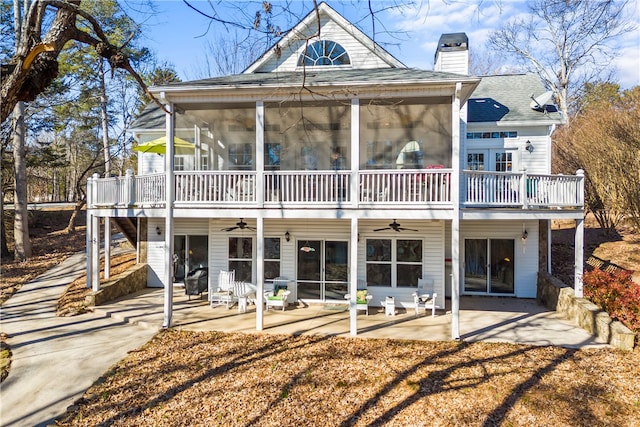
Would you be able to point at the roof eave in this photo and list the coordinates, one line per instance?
(223, 86)
(532, 122)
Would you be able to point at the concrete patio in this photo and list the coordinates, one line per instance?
(488, 319)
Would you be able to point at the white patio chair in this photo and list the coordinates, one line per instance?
(363, 297)
(277, 300)
(223, 294)
(244, 293)
(425, 296)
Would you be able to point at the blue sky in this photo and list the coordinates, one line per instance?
(178, 35)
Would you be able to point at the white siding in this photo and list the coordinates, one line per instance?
(433, 252)
(456, 61)
(218, 251)
(432, 234)
(526, 257)
(155, 255)
(536, 162)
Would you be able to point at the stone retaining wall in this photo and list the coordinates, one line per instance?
(125, 283)
(555, 295)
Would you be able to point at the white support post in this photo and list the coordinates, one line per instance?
(260, 274)
(95, 249)
(259, 181)
(523, 190)
(549, 243)
(130, 183)
(579, 258)
(107, 247)
(355, 152)
(353, 278)
(89, 234)
(456, 124)
(168, 220)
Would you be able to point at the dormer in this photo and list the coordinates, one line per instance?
(339, 44)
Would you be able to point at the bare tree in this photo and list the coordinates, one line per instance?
(604, 140)
(566, 42)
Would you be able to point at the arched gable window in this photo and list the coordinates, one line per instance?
(324, 52)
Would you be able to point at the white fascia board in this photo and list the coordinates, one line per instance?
(509, 123)
(497, 214)
(201, 93)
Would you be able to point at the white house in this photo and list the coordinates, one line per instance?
(332, 164)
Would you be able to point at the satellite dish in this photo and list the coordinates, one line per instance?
(538, 103)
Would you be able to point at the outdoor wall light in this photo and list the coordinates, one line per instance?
(525, 235)
(529, 146)
(158, 230)
(287, 236)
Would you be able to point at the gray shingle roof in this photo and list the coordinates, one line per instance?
(497, 98)
(331, 76)
(508, 98)
(152, 117)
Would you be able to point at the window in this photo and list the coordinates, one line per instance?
(271, 258)
(272, 156)
(241, 156)
(305, 136)
(475, 161)
(324, 52)
(240, 257)
(178, 163)
(404, 134)
(504, 162)
(394, 262)
(494, 160)
(492, 135)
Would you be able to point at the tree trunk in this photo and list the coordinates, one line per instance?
(71, 227)
(4, 249)
(104, 119)
(22, 248)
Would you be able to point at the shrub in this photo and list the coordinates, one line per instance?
(616, 293)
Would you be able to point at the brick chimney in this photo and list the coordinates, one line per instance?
(452, 54)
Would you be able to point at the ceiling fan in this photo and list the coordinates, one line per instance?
(241, 225)
(395, 226)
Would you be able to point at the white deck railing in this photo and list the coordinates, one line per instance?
(215, 186)
(507, 189)
(424, 187)
(405, 186)
(296, 187)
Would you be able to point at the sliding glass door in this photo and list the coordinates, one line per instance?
(489, 266)
(189, 252)
(323, 269)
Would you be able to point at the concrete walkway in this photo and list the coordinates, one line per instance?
(55, 359)
(490, 319)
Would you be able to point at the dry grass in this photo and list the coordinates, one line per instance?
(218, 379)
(50, 243)
(72, 301)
